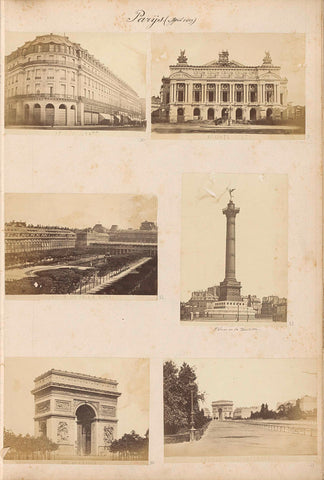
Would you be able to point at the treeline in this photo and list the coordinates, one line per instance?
(27, 446)
(53, 255)
(178, 383)
(287, 411)
(143, 281)
(131, 445)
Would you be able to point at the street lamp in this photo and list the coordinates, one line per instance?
(192, 424)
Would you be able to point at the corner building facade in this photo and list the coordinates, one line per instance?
(53, 81)
(224, 90)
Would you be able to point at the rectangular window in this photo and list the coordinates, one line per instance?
(197, 96)
(239, 96)
(211, 96)
(38, 74)
(180, 96)
(73, 90)
(63, 89)
(281, 98)
(269, 97)
(63, 74)
(37, 88)
(51, 89)
(224, 96)
(253, 97)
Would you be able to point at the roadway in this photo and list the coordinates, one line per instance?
(231, 438)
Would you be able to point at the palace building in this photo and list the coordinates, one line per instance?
(20, 237)
(76, 411)
(53, 81)
(223, 90)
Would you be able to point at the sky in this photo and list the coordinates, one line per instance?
(132, 375)
(251, 382)
(81, 210)
(123, 53)
(286, 50)
(261, 232)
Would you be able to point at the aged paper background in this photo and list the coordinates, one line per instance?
(93, 162)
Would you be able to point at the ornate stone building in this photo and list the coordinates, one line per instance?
(20, 237)
(76, 411)
(222, 409)
(53, 81)
(223, 89)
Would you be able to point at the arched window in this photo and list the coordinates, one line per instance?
(196, 112)
(253, 114)
(238, 114)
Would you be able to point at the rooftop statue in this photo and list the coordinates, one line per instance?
(267, 59)
(182, 58)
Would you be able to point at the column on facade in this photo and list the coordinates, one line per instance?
(276, 93)
(259, 92)
(190, 92)
(263, 96)
(245, 94)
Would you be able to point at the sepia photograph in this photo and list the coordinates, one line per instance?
(228, 83)
(239, 407)
(234, 250)
(76, 410)
(81, 244)
(79, 81)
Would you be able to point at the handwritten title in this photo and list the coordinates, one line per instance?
(150, 21)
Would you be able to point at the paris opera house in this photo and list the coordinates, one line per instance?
(223, 89)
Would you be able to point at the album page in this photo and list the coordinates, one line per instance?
(161, 240)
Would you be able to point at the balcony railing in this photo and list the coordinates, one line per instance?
(44, 96)
(46, 62)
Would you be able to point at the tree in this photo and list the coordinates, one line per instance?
(25, 446)
(131, 444)
(175, 416)
(178, 386)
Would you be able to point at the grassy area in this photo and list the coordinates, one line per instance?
(66, 279)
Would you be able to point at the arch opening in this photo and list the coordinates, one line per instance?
(211, 114)
(253, 114)
(37, 114)
(238, 114)
(196, 113)
(180, 115)
(85, 416)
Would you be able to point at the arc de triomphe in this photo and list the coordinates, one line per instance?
(76, 411)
